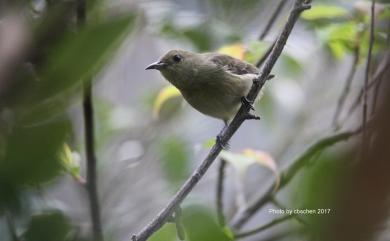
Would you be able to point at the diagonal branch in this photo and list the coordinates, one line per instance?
(289, 173)
(227, 133)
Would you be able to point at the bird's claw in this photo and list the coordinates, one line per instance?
(250, 116)
(247, 103)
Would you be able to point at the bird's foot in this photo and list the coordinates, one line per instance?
(257, 81)
(247, 103)
(250, 116)
(220, 142)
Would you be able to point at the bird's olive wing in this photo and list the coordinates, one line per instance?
(233, 65)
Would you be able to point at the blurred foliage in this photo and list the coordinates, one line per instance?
(242, 161)
(166, 233)
(320, 12)
(175, 159)
(167, 93)
(320, 188)
(48, 226)
(202, 36)
(60, 57)
(342, 30)
(199, 224)
(71, 162)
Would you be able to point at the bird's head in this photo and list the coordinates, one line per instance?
(177, 66)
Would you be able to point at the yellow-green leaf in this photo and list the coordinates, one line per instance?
(71, 162)
(324, 12)
(234, 50)
(165, 94)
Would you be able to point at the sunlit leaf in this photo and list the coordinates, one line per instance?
(338, 49)
(233, 50)
(71, 162)
(165, 94)
(340, 38)
(324, 11)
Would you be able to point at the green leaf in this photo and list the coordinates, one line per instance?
(175, 157)
(340, 38)
(324, 12)
(38, 161)
(48, 226)
(200, 225)
(166, 233)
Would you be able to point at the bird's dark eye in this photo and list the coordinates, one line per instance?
(177, 58)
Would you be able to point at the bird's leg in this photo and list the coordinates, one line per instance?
(219, 138)
(247, 103)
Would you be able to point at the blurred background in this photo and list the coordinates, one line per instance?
(148, 139)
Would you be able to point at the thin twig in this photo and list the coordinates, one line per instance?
(290, 172)
(366, 79)
(296, 217)
(377, 77)
(263, 227)
(347, 87)
(227, 133)
(379, 84)
(89, 143)
(220, 191)
(266, 54)
(271, 21)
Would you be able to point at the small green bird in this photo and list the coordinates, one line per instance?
(214, 84)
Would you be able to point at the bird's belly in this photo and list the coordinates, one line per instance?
(214, 102)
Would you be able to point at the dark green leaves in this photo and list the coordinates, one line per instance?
(49, 226)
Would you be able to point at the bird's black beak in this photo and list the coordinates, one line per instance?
(157, 65)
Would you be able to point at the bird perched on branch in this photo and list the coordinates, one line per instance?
(214, 84)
